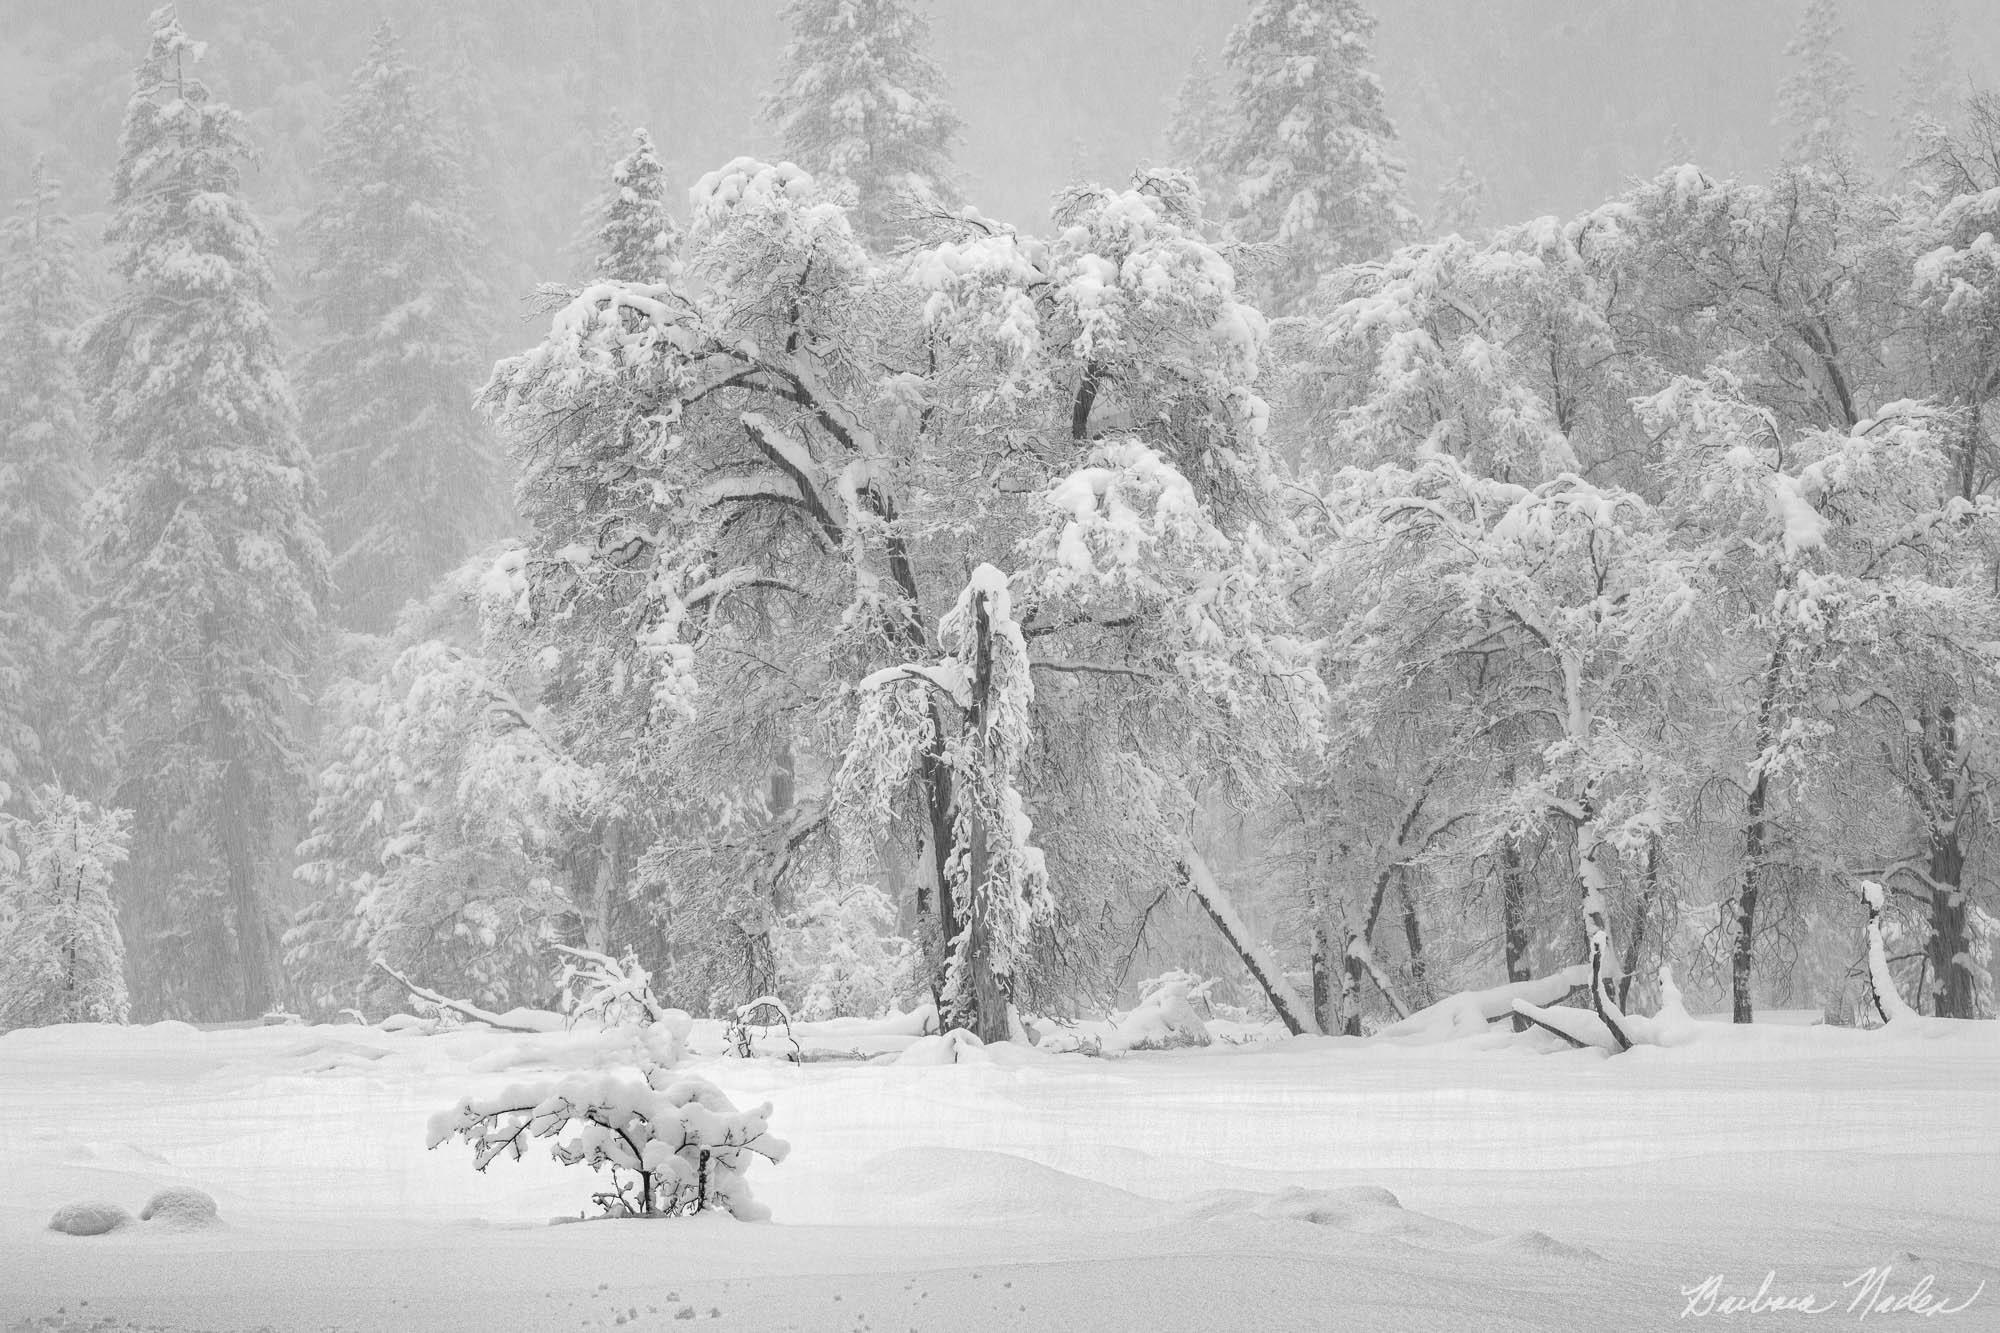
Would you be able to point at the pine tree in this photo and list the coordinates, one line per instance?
(408, 468)
(65, 959)
(1930, 76)
(212, 566)
(1195, 128)
(1308, 160)
(861, 105)
(635, 235)
(43, 481)
(1461, 203)
(1816, 100)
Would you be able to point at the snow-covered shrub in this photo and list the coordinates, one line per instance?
(1164, 1017)
(615, 991)
(840, 954)
(681, 1141)
(65, 958)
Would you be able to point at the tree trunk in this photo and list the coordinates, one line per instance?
(1263, 969)
(982, 999)
(1595, 859)
(1952, 988)
(1514, 915)
(598, 931)
(1754, 839)
(1413, 940)
(255, 947)
(1318, 903)
(937, 909)
(1639, 919)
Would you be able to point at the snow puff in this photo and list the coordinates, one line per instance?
(89, 1219)
(747, 182)
(955, 1047)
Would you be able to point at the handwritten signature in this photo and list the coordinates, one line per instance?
(1868, 1291)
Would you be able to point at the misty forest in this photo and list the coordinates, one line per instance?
(1069, 539)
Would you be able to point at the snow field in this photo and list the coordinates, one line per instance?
(1486, 1182)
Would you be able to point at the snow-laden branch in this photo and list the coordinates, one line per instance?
(459, 1007)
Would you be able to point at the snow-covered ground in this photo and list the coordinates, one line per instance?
(1482, 1183)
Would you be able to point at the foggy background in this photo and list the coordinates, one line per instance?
(1554, 103)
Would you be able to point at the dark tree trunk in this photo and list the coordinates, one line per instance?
(1413, 940)
(1952, 988)
(1755, 841)
(1318, 904)
(1291, 1011)
(1514, 915)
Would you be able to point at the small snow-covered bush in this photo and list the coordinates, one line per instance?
(65, 960)
(1164, 1017)
(680, 1140)
(838, 952)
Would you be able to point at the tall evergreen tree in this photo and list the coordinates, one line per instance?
(1307, 158)
(409, 470)
(1928, 92)
(43, 479)
(1816, 100)
(1461, 203)
(861, 105)
(634, 235)
(1194, 128)
(213, 571)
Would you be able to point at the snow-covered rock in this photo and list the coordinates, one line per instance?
(181, 1208)
(89, 1219)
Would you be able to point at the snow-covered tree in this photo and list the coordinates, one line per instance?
(212, 564)
(44, 478)
(838, 951)
(1816, 100)
(65, 958)
(1930, 83)
(444, 811)
(633, 233)
(407, 466)
(1194, 125)
(861, 105)
(738, 520)
(1307, 157)
(1461, 203)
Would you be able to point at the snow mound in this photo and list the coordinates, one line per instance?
(89, 1219)
(1539, 1243)
(181, 1208)
(1366, 1210)
(975, 1185)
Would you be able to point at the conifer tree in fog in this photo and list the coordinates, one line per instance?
(1306, 159)
(1816, 100)
(212, 569)
(861, 105)
(408, 469)
(43, 480)
(634, 236)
